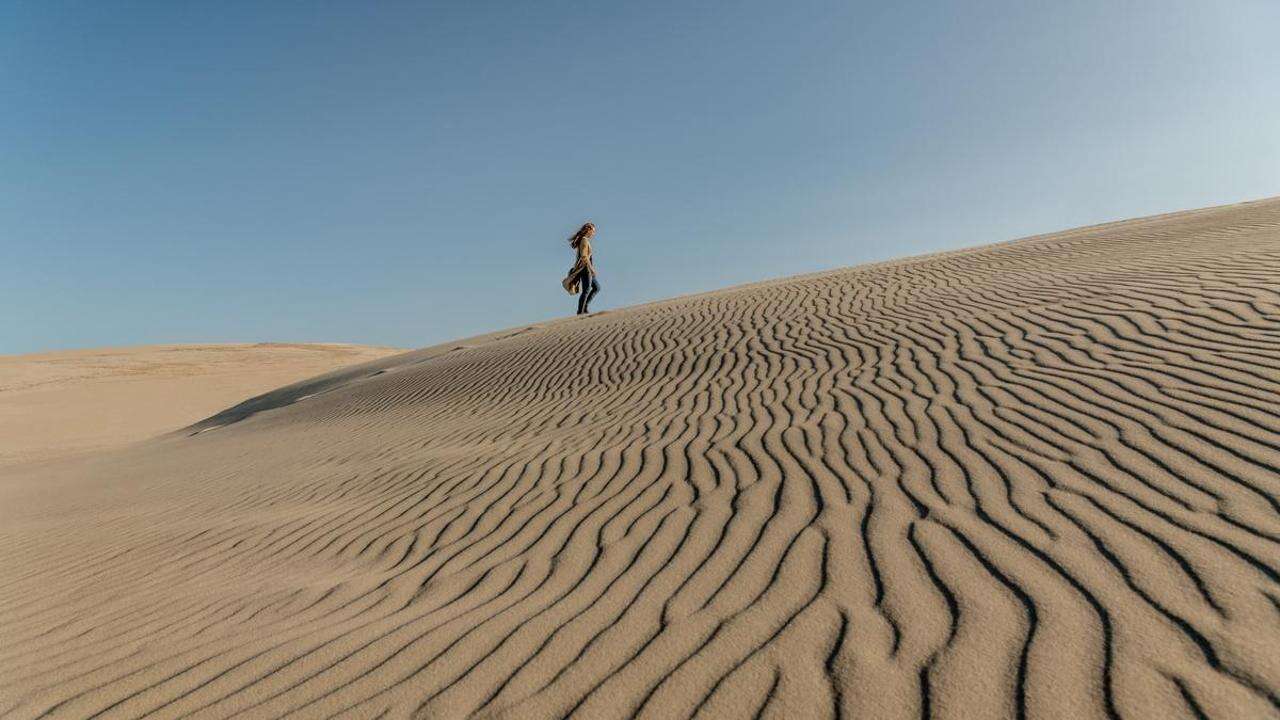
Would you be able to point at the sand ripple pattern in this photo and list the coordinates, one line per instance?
(1039, 479)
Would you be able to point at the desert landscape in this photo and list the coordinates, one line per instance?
(1036, 479)
(54, 404)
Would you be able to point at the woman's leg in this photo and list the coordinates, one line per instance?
(589, 288)
(584, 293)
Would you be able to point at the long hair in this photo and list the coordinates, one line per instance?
(586, 231)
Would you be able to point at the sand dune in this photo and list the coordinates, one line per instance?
(59, 403)
(1037, 479)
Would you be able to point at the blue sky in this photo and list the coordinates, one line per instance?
(406, 173)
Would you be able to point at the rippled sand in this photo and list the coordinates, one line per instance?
(1036, 479)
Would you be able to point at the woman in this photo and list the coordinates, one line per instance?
(582, 276)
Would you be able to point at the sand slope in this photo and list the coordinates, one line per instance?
(59, 403)
(1039, 479)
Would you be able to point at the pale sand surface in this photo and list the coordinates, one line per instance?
(1038, 479)
(58, 403)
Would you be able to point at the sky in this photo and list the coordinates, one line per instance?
(407, 173)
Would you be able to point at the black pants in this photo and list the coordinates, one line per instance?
(589, 286)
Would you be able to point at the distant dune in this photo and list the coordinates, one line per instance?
(58, 403)
(1036, 479)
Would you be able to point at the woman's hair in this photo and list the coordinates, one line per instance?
(586, 231)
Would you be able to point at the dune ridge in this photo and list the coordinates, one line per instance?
(1039, 479)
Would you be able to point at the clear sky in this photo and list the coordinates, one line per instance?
(407, 173)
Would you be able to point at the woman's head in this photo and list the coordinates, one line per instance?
(588, 230)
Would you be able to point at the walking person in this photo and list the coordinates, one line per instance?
(582, 276)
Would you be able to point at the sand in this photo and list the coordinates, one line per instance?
(1036, 479)
(55, 404)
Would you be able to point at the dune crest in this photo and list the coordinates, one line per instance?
(1036, 479)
